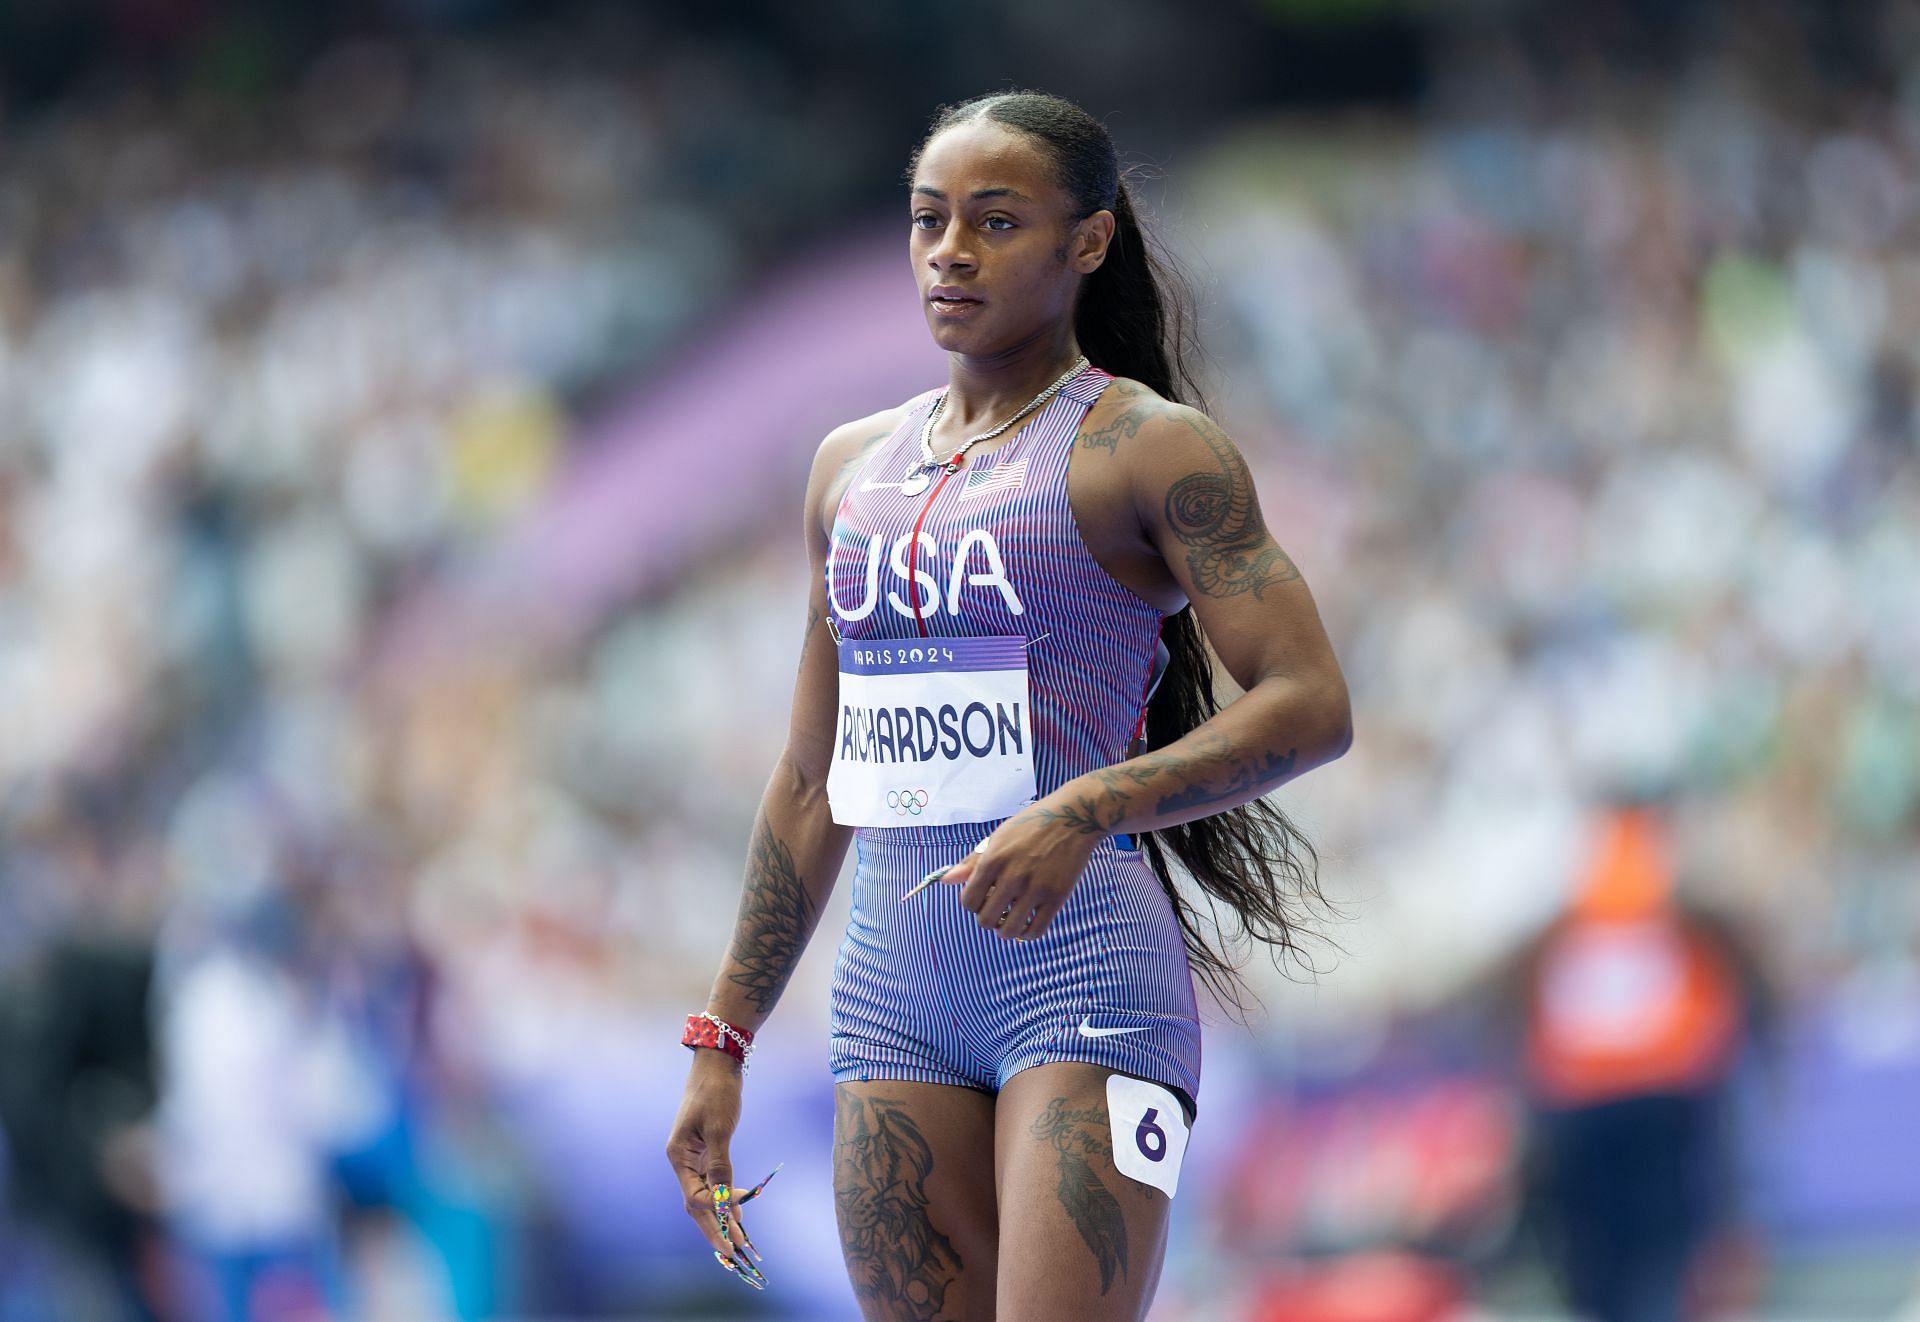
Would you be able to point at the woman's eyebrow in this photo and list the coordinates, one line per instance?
(977, 193)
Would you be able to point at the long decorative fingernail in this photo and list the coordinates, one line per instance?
(742, 1271)
(927, 881)
(754, 1192)
(746, 1271)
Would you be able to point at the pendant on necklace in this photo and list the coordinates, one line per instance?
(916, 481)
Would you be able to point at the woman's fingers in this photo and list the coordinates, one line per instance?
(1007, 909)
(1030, 915)
(1042, 915)
(979, 888)
(693, 1166)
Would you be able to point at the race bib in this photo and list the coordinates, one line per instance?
(933, 731)
(1149, 1131)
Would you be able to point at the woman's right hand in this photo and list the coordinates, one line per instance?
(697, 1146)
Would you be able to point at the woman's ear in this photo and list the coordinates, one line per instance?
(1092, 236)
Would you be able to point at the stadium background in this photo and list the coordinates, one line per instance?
(403, 411)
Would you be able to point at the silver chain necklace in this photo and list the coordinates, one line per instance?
(919, 475)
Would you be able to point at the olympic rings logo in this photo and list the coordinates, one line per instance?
(907, 803)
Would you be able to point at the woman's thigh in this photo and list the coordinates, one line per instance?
(913, 1191)
(1078, 1238)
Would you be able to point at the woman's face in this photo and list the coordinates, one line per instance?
(991, 226)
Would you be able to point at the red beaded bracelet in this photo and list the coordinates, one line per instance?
(710, 1030)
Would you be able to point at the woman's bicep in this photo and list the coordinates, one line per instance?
(1197, 500)
(816, 689)
(816, 685)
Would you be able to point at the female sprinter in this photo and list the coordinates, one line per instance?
(997, 565)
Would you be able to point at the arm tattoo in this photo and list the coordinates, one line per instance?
(880, 1168)
(806, 637)
(1217, 517)
(1101, 809)
(1080, 1138)
(1126, 424)
(1240, 778)
(1091, 814)
(776, 914)
(1085, 815)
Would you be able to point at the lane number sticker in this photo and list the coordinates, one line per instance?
(1149, 1131)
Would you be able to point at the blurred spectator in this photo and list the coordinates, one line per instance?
(77, 1085)
(1636, 1014)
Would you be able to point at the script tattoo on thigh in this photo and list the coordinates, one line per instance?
(1218, 518)
(776, 917)
(1081, 1138)
(880, 1168)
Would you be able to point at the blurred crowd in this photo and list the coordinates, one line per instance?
(1601, 433)
(267, 364)
(1590, 419)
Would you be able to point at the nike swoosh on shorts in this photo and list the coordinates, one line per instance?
(1086, 1030)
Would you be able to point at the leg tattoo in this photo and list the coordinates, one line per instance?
(1079, 1137)
(880, 1169)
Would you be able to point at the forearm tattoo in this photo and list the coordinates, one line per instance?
(1102, 809)
(1080, 1138)
(776, 914)
(1216, 516)
(881, 1164)
(1214, 773)
(1234, 784)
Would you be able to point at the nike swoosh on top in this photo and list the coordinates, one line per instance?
(1087, 1030)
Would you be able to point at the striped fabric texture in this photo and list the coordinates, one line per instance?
(920, 991)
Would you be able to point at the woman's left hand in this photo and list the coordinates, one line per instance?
(1017, 878)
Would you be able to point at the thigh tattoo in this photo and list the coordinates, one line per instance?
(1081, 1138)
(880, 1168)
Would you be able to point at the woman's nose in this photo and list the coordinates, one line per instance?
(952, 250)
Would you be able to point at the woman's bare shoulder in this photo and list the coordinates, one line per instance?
(842, 452)
(853, 440)
(1135, 392)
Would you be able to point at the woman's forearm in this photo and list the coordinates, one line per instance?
(793, 858)
(1273, 732)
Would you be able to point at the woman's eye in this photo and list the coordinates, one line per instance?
(996, 223)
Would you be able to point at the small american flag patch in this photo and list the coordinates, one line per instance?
(999, 477)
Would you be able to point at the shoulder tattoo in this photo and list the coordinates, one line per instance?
(1216, 517)
(1138, 405)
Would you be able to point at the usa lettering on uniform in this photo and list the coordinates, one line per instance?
(977, 547)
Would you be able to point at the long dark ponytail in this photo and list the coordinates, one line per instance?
(1135, 319)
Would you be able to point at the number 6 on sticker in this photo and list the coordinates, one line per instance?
(1151, 1138)
(1149, 1132)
